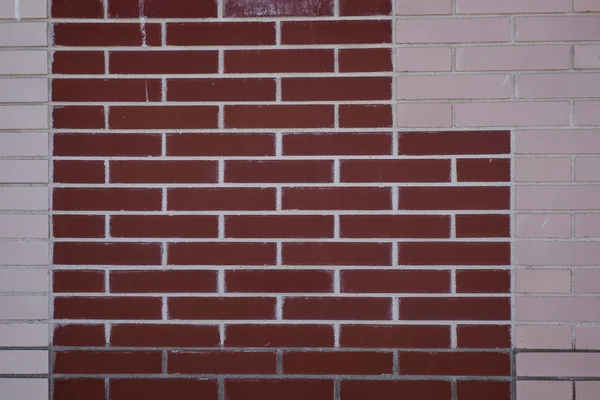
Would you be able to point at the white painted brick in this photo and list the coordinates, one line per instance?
(23, 144)
(23, 307)
(27, 388)
(23, 198)
(23, 62)
(23, 335)
(23, 90)
(23, 34)
(24, 280)
(439, 87)
(23, 171)
(23, 362)
(24, 253)
(24, 117)
(24, 226)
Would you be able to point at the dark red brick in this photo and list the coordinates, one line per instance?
(79, 335)
(455, 308)
(326, 144)
(222, 199)
(280, 8)
(108, 362)
(104, 199)
(395, 390)
(78, 117)
(279, 281)
(333, 32)
(279, 226)
(279, 171)
(242, 89)
(75, 389)
(221, 362)
(270, 61)
(454, 198)
(105, 34)
(102, 253)
(162, 9)
(78, 62)
(163, 62)
(483, 336)
(343, 363)
(161, 335)
(222, 253)
(163, 171)
(221, 308)
(107, 308)
(71, 171)
(77, 9)
(474, 390)
(483, 170)
(155, 389)
(279, 335)
(288, 389)
(221, 34)
(365, 7)
(336, 253)
(328, 89)
(407, 281)
(171, 281)
(395, 171)
(106, 145)
(482, 226)
(337, 198)
(279, 116)
(69, 281)
(337, 308)
(164, 226)
(163, 117)
(78, 226)
(483, 281)
(221, 144)
(365, 60)
(462, 364)
(109, 90)
(467, 142)
(365, 116)
(447, 253)
(392, 226)
(395, 336)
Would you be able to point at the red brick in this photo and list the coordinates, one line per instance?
(221, 308)
(407, 281)
(151, 389)
(483, 281)
(279, 116)
(455, 198)
(110, 90)
(243, 89)
(77, 9)
(333, 32)
(221, 362)
(483, 170)
(280, 8)
(365, 60)
(343, 363)
(79, 335)
(395, 226)
(221, 34)
(75, 389)
(162, 9)
(279, 171)
(394, 390)
(108, 362)
(101, 253)
(78, 62)
(326, 144)
(164, 226)
(270, 61)
(467, 142)
(471, 364)
(482, 226)
(395, 171)
(171, 281)
(279, 281)
(76, 226)
(483, 336)
(105, 34)
(446, 253)
(328, 89)
(336, 308)
(473, 390)
(288, 389)
(104, 199)
(279, 226)
(222, 253)
(222, 199)
(163, 117)
(161, 335)
(279, 335)
(337, 198)
(107, 308)
(69, 281)
(361, 7)
(221, 144)
(163, 171)
(365, 116)
(70, 171)
(395, 336)
(455, 308)
(106, 145)
(78, 117)
(163, 62)
(336, 253)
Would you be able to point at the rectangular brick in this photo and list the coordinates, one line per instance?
(557, 141)
(155, 335)
(454, 198)
(164, 226)
(102, 253)
(23, 307)
(336, 199)
(483, 170)
(365, 116)
(444, 253)
(105, 34)
(552, 86)
(404, 226)
(558, 364)
(408, 7)
(473, 390)
(221, 308)
(21, 362)
(79, 335)
(465, 364)
(181, 9)
(109, 90)
(424, 115)
(338, 88)
(78, 117)
(25, 117)
(15, 34)
(186, 389)
(25, 334)
(72, 226)
(23, 198)
(482, 226)
(557, 253)
(336, 253)
(442, 143)
(455, 308)
(109, 308)
(543, 280)
(586, 169)
(23, 280)
(382, 281)
(271, 61)
(543, 337)
(222, 199)
(279, 116)
(169, 117)
(78, 62)
(279, 171)
(550, 390)
(543, 225)
(587, 56)
(279, 226)
(222, 253)
(557, 308)
(510, 58)
(586, 337)
(163, 171)
(24, 226)
(512, 6)
(543, 169)
(336, 32)
(340, 308)
(282, 8)
(225, 90)
(483, 281)
(586, 112)
(418, 59)
(69, 281)
(73, 199)
(337, 363)
(452, 30)
(559, 28)
(365, 60)
(279, 335)
(395, 336)
(290, 389)
(94, 389)
(337, 144)
(23, 90)
(512, 114)
(24, 144)
(286, 281)
(23, 171)
(107, 362)
(77, 9)
(586, 225)
(24, 62)
(586, 390)
(483, 336)
(70, 171)
(163, 62)
(416, 87)
(395, 171)
(586, 5)
(221, 34)
(112, 144)
(23, 252)
(170, 281)
(390, 390)
(221, 144)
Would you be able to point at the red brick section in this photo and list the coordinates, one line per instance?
(235, 217)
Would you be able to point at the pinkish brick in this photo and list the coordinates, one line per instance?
(549, 29)
(559, 309)
(558, 253)
(508, 58)
(587, 390)
(557, 141)
(543, 225)
(423, 7)
(544, 390)
(543, 337)
(587, 5)
(552, 86)
(419, 115)
(424, 59)
(512, 6)
(587, 280)
(587, 113)
(452, 30)
(587, 169)
(558, 364)
(587, 337)
(453, 87)
(512, 114)
(543, 169)
(587, 225)
(558, 197)
(542, 280)
(587, 55)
